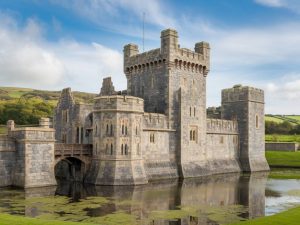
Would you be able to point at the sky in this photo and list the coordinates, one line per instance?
(52, 44)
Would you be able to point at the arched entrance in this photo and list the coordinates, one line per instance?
(70, 169)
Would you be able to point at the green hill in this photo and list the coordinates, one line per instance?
(10, 93)
(293, 119)
(26, 106)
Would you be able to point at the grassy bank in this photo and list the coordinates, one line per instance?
(283, 159)
(6, 219)
(290, 217)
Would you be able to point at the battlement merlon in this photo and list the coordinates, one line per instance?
(119, 103)
(239, 93)
(168, 53)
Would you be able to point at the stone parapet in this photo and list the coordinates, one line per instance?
(218, 126)
(119, 103)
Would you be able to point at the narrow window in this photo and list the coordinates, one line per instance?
(81, 136)
(122, 129)
(126, 130)
(194, 111)
(256, 121)
(96, 130)
(136, 130)
(107, 129)
(190, 111)
(191, 135)
(106, 149)
(111, 130)
(138, 149)
(111, 149)
(126, 149)
(77, 135)
(194, 135)
(122, 149)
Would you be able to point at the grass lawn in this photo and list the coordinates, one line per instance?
(290, 217)
(283, 159)
(6, 219)
(282, 138)
(295, 117)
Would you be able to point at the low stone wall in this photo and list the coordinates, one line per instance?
(282, 146)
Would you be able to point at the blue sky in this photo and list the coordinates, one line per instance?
(62, 43)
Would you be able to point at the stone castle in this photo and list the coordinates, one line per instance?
(156, 129)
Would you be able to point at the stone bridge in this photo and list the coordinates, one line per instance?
(72, 160)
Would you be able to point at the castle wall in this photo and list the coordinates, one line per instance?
(34, 157)
(158, 146)
(7, 160)
(222, 145)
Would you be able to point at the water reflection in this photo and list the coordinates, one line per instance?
(207, 200)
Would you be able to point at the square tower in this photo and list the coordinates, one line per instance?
(172, 81)
(246, 105)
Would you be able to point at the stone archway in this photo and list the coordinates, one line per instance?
(70, 169)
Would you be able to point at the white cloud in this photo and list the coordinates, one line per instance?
(27, 59)
(293, 5)
(121, 15)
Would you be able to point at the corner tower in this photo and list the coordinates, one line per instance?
(246, 105)
(172, 81)
(117, 155)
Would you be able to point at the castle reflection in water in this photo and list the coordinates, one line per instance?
(221, 190)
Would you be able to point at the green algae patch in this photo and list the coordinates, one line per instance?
(294, 192)
(219, 214)
(289, 217)
(114, 218)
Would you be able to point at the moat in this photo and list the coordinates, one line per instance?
(210, 200)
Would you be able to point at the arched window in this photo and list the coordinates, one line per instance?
(190, 111)
(106, 149)
(126, 149)
(111, 130)
(126, 130)
(111, 149)
(194, 111)
(191, 135)
(107, 129)
(122, 149)
(122, 129)
(136, 130)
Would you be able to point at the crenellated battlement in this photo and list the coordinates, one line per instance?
(168, 53)
(242, 93)
(217, 126)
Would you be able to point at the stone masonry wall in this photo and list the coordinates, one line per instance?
(7, 160)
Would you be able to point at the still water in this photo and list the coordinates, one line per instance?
(211, 200)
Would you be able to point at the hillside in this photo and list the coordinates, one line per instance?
(293, 119)
(10, 93)
(26, 106)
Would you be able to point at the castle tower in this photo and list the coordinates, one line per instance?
(117, 155)
(172, 81)
(246, 105)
